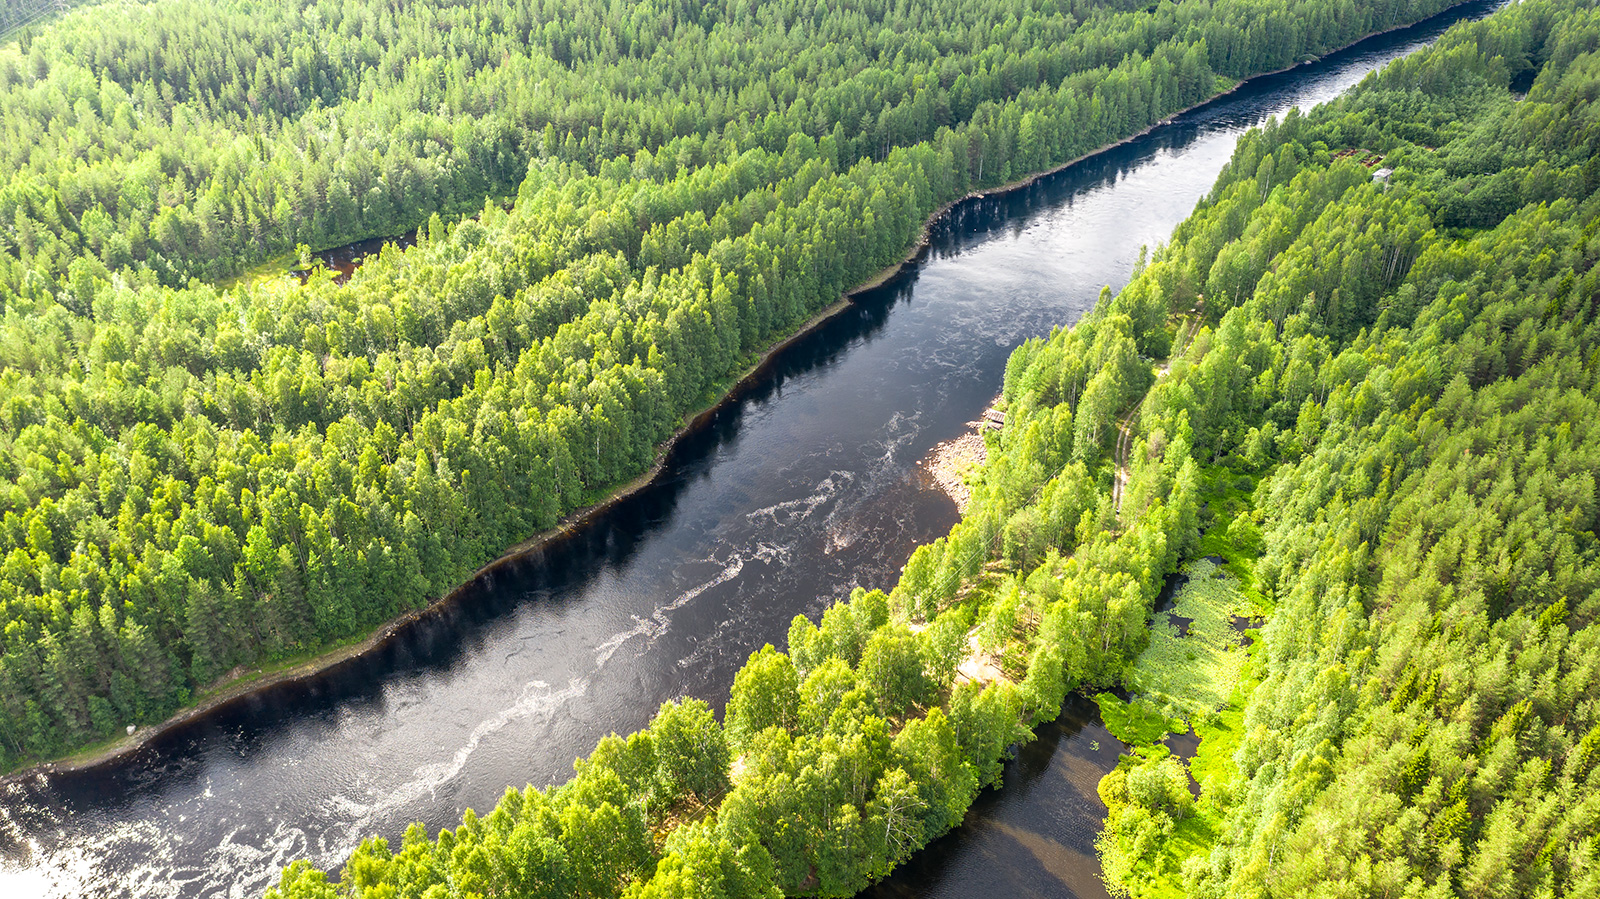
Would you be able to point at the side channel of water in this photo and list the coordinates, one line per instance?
(805, 487)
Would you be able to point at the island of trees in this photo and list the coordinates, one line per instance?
(1364, 377)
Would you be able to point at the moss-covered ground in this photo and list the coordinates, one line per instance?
(1195, 677)
(1137, 723)
(1191, 676)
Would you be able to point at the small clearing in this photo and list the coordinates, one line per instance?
(1192, 676)
(978, 665)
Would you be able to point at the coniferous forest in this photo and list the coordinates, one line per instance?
(1366, 390)
(618, 206)
(1352, 400)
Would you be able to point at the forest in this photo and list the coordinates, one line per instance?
(1403, 372)
(208, 469)
(1371, 391)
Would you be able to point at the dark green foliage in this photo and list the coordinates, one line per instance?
(616, 205)
(1411, 368)
(192, 139)
(198, 477)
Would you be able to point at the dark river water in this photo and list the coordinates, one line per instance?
(804, 487)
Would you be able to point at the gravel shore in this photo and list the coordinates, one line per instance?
(951, 461)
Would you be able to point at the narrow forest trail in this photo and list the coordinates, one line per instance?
(1125, 441)
(978, 665)
(1124, 445)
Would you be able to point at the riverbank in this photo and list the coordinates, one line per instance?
(950, 464)
(261, 680)
(252, 681)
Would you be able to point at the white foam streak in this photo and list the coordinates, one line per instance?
(658, 623)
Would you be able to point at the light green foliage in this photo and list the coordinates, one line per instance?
(1192, 676)
(1047, 683)
(1140, 855)
(808, 800)
(1160, 785)
(900, 807)
(830, 689)
(1000, 623)
(1232, 530)
(700, 862)
(1137, 723)
(1408, 374)
(987, 721)
(633, 760)
(691, 751)
(1220, 737)
(766, 693)
(892, 669)
(930, 752)
(844, 631)
(1146, 803)
(944, 645)
(301, 881)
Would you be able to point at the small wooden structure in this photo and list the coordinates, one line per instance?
(994, 419)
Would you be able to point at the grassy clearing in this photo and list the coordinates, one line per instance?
(1136, 723)
(1159, 873)
(1200, 679)
(1231, 531)
(1192, 676)
(266, 270)
(1220, 737)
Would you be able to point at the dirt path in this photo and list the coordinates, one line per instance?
(978, 665)
(1125, 440)
(1124, 446)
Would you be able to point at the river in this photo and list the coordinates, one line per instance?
(805, 486)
